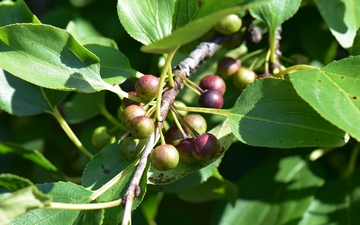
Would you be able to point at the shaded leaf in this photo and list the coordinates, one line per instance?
(13, 182)
(16, 12)
(337, 202)
(333, 92)
(114, 66)
(355, 49)
(147, 21)
(156, 177)
(49, 57)
(270, 113)
(215, 188)
(342, 17)
(31, 154)
(83, 106)
(275, 193)
(61, 192)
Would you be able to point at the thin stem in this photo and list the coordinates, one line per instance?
(266, 66)
(295, 68)
(171, 77)
(272, 45)
(247, 56)
(162, 139)
(162, 83)
(109, 117)
(88, 206)
(221, 112)
(316, 154)
(353, 158)
(111, 182)
(122, 94)
(65, 126)
(175, 116)
(192, 85)
(185, 123)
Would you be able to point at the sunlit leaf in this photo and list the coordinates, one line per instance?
(16, 12)
(342, 17)
(333, 92)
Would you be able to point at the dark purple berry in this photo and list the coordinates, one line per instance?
(173, 135)
(146, 87)
(205, 147)
(185, 151)
(211, 99)
(213, 82)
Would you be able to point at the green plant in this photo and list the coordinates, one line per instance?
(164, 157)
(101, 137)
(282, 150)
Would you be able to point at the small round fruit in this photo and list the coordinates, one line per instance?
(130, 147)
(126, 101)
(101, 137)
(211, 99)
(146, 87)
(227, 66)
(130, 113)
(197, 122)
(253, 34)
(173, 135)
(164, 157)
(205, 147)
(141, 127)
(185, 151)
(229, 25)
(182, 113)
(243, 77)
(213, 82)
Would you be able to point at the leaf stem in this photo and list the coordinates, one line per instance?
(247, 56)
(70, 133)
(353, 158)
(109, 117)
(295, 68)
(221, 112)
(174, 115)
(88, 206)
(164, 71)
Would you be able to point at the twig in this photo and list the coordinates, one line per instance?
(185, 68)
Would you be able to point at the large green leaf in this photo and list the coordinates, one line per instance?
(15, 12)
(49, 57)
(225, 136)
(193, 30)
(333, 92)
(270, 113)
(61, 192)
(184, 12)
(337, 202)
(114, 66)
(342, 17)
(275, 193)
(147, 21)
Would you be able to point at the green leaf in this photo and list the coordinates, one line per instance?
(215, 188)
(147, 21)
(355, 49)
(13, 182)
(21, 201)
(337, 202)
(102, 168)
(21, 98)
(184, 12)
(191, 31)
(275, 193)
(83, 106)
(212, 6)
(114, 66)
(156, 177)
(90, 217)
(31, 154)
(342, 17)
(16, 12)
(270, 113)
(332, 91)
(49, 57)
(61, 192)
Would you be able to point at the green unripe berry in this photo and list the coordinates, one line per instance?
(243, 77)
(164, 157)
(229, 25)
(197, 122)
(131, 147)
(141, 127)
(130, 113)
(101, 137)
